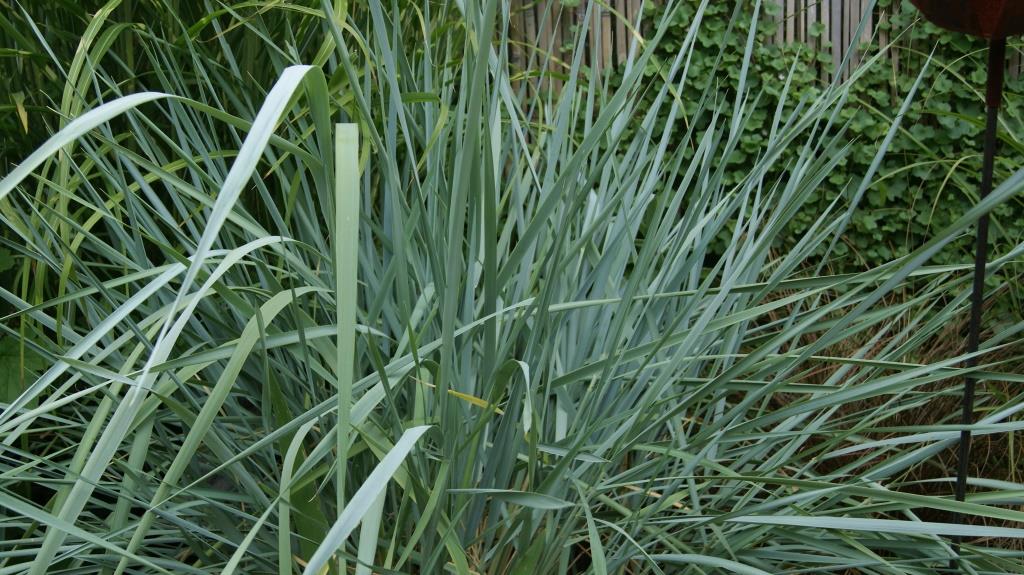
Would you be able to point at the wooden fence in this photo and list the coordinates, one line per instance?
(839, 21)
(550, 26)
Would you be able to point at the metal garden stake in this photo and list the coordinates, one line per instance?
(993, 20)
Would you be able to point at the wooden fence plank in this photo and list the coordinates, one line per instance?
(801, 20)
(606, 39)
(836, 17)
(780, 21)
(634, 7)
(867, 14)
(513, 55)
(826, 38)
(530, 29)
(622, 7)
(847, 31)
(595, 38)
(790, 20)
(813, 21)
(556, 33)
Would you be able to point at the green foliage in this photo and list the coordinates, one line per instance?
(930, 175)
(487, 337)
(30, 82)
(19, 366)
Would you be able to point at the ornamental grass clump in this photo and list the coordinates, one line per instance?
(475, 328)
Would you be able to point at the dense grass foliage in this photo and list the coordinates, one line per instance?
(931, 172)
(469, 329)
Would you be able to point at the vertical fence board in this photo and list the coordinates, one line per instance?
(556, 28)
(606, 39)
(633, 8)
(867, 14)
(810, 20)
(581, 24)
(517, 33)
(530, 31)
(801, 20)
(826, 38)
(622, 7)
(855, 12)
(883, 34)
(780, 21)
(790, 20)
(596, 39)
(836, 17)
(895, 58)
(813, 21)
(555, 31)
(848, 30)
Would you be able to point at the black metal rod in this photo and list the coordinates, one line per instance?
(993, 97)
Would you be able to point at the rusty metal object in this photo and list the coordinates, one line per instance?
(994, 20)
(985, 18)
